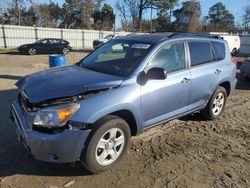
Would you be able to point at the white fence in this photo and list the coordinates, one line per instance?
(14, 36)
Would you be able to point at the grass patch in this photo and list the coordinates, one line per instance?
(11, 50)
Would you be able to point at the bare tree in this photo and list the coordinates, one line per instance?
(131, 11)
(246, 18)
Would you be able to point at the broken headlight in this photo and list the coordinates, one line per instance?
(55, 116)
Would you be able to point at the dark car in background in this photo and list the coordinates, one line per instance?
(245, 69)
(46, 46)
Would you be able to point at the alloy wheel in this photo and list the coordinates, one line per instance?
(218, 104)
(110, 146)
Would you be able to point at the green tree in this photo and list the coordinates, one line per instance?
(13, 14)
(78, 13)
(30, 17)
(188, 17)
(104, 19)
(48, 14)
(220, 19)
(164, 8)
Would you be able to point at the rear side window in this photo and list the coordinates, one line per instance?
(200, 53)
(219, 49)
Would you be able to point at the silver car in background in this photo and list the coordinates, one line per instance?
(99, 42)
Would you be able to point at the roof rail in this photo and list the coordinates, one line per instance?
(180, 34)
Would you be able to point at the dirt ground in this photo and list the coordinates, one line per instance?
(188, 152)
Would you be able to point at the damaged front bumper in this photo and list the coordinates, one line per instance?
(65, 146)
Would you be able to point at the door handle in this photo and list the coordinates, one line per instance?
(185, 80)
(218, 71)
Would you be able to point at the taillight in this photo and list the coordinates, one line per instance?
(234, 60)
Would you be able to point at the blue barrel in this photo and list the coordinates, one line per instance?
(57, 60)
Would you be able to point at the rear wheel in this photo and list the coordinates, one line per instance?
(32, 51)
(65, 51)
(234, 52)
(216, 104)
(107, 145)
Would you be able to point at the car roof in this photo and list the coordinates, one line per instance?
(147, 38)
(51, 39)
(158, 37)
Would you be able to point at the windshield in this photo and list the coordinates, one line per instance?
(117, 57)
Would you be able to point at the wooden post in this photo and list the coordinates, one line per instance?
(83, 39)
(4, 37)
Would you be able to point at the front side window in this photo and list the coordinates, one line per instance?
(200, 53)
(171, 57)
(117, 57)
(43, 41)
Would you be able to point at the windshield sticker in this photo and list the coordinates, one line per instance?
(141, 46)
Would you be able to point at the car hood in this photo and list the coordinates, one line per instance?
(25, 45)
(64, 82)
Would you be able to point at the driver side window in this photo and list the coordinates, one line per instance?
(171, 57)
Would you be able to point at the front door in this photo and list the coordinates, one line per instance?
(165, 99)
(44, 46)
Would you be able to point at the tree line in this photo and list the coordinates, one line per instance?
(96, 14)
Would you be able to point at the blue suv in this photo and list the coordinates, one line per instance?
(88, 111)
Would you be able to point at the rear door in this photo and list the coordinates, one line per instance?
(56, 45)
(205, 72)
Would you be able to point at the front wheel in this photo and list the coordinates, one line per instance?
(216, 104)
(107, 145)
(32, 51)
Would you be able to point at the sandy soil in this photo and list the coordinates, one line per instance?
(188, 152)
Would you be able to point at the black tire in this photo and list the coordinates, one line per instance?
(234, 52)
(32, 51)
(65, 51)
(208, 112)
(90, 154)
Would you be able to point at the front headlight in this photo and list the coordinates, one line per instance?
(56, 116)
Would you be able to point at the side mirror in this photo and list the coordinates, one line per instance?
(156, 74)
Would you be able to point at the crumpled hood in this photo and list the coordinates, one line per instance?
(63, 82)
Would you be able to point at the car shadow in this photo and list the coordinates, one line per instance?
(12, 53)
(11, 77)
(193, 117)
(18, 53)
(14, 158)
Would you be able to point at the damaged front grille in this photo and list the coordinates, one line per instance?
(27, 107)
(34, 107)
